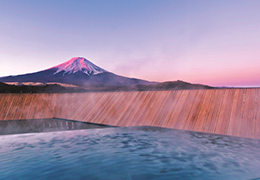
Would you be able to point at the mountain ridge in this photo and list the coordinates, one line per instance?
(77, 71)
(86, 76)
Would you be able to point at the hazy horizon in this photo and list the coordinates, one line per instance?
(208, 42)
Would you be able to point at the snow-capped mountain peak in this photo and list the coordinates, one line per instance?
(77, 64)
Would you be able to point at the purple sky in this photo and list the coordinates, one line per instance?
(210, 42)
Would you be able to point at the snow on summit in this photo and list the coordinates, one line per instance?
(78, 64)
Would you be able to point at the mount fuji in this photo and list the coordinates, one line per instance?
(76, 71)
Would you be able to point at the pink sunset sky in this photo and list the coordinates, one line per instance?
(209, 42)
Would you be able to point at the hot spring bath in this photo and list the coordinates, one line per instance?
(128, 153)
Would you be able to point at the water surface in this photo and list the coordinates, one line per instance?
(128, 153)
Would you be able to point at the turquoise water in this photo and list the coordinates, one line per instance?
(128, 153)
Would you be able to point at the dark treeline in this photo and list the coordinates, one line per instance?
(56, 88)
(49, 88)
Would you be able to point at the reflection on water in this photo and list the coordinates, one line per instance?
(43, 125)
(128, 153)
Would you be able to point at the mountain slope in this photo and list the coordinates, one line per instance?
(172, 85)
(78, 64)
(77, 71)
(81, 72)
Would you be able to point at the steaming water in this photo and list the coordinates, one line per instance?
(128, 153)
